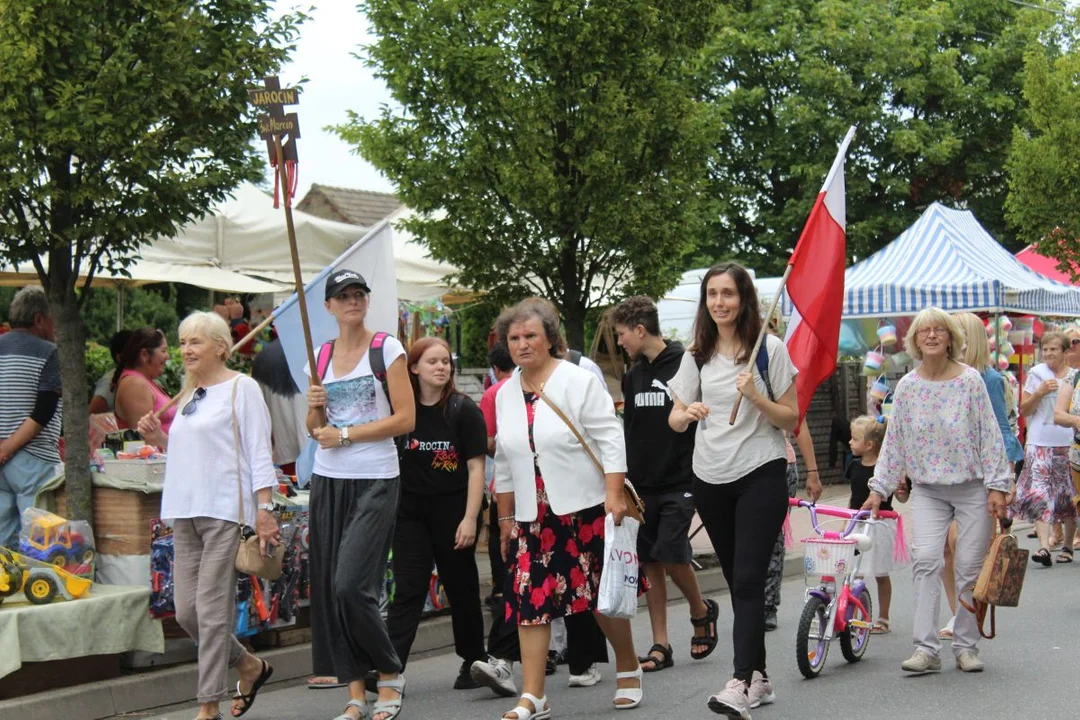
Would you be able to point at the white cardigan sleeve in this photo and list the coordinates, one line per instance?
(504, 479)
(597, 416)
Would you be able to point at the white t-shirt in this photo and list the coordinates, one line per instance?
(585, 363)
(1041, 430)
(358, 399)
(724, 453)
(104, 390)
(200, 471)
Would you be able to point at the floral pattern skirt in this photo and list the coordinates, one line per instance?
(1044, 489)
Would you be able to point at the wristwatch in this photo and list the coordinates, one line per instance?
(345, 441)
(268, 507)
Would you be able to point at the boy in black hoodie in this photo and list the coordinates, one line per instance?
(659, 463)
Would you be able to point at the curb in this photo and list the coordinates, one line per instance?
(172, 686)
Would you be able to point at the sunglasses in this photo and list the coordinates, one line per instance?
(1074, 342)
(193, 403)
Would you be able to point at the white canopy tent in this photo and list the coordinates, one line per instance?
(677, 308)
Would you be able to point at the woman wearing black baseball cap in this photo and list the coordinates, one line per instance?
(355, 489)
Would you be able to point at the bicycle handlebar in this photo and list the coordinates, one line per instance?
(854, 516)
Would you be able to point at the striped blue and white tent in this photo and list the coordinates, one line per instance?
(947, 259)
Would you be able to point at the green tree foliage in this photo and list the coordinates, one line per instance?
(1044, 165)
(551, 147)
(119, 123)
(933, 86)
(143, 307)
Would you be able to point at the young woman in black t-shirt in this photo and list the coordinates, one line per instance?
(442, 488)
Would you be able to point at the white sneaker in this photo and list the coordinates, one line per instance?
(495, 674)
(760, 692)
(586, 679)
(733, 701)
(968, 661)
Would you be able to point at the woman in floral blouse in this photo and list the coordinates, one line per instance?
(944, 437)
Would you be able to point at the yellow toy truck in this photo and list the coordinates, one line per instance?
(41, 584)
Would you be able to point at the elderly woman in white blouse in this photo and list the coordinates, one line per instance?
(943, 436)
(553, 499)
(203, 500)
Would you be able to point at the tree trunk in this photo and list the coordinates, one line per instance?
(574, 322)
(71, 342)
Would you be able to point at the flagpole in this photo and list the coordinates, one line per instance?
(761, 336)
(837, 166)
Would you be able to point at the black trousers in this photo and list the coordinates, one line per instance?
(743, 519)
(498, 565)
(352, 523)
(425, 530)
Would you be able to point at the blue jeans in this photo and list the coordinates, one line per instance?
(20, 479)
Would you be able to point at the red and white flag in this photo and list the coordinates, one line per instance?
(816, 285)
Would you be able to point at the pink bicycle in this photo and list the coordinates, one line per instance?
(832, 557)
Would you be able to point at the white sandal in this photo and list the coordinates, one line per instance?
(634, 695)
(391, 708)
(540, 710)
(361, 705)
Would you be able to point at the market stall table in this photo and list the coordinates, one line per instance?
(112, 619)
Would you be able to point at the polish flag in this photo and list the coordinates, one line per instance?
(816, 286)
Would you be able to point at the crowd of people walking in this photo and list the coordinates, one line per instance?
(403, 458)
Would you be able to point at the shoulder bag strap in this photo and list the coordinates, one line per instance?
(236, 445)
(573, 429)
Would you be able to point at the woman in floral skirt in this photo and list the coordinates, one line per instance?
(553, 500)
(1044, 489)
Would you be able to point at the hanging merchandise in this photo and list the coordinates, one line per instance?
(887, 334)
(880, 389)
(874, 363)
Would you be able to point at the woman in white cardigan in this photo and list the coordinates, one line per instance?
(552, 499)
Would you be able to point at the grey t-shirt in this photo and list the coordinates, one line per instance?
(724, 453)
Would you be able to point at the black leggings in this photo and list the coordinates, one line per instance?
(425, 532)
(743, 519)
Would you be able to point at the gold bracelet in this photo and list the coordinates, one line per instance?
(505, 518)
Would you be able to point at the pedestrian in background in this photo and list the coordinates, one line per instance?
(104, 397)
(355, 489)
(29, 408)
(740, 469)
(553, 499)
(223, 428)
(943, 435)
(1044, 489)
(135, 380)
(660, 464)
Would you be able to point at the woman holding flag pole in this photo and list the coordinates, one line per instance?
(740, 488)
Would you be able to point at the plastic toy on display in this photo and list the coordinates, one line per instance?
(161, 570)
(41, 583)
(52, 539)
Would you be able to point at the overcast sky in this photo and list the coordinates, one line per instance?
(337, 82)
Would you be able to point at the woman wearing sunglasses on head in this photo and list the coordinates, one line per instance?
(223, 423)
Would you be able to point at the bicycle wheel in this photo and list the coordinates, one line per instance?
(853, 641)
(811, 641)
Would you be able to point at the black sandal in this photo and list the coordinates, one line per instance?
(1042, 556)
(709, 639)
(249, 699)
(1066, 556)
(657, 663)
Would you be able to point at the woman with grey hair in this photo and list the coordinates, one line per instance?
(553, 498)
(223, 428)
(943, 436)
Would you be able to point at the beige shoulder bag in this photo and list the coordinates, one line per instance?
(635, 508)
(249, 557)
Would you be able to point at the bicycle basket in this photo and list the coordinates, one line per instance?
(829, 557)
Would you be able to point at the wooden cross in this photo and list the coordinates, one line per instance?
(275, 123)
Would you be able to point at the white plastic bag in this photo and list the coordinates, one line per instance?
(619, 578)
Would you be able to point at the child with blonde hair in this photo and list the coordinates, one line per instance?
(867, 434)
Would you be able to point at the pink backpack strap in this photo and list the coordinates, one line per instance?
(326, 352)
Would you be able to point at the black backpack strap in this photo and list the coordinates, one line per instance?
(574, 356)
(762, 363)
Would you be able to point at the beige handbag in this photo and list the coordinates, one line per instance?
(249, 557)
(635, 507)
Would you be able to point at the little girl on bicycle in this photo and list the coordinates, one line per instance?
(867, 434)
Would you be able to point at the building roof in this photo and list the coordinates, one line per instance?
(357, 207)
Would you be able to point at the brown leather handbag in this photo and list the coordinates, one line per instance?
(1000, 581)
(635, 507)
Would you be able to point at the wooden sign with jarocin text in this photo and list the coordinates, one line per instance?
(275, 122)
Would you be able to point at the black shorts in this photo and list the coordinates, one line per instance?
(665, 536)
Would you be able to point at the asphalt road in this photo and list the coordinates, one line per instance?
(1030, 672)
